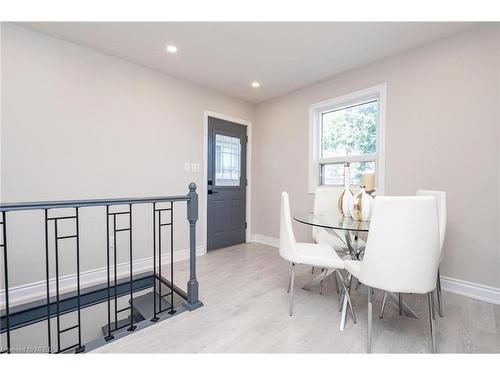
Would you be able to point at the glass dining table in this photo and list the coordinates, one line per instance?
(353, 234)
(348, 230)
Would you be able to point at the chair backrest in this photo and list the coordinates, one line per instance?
(442, 215)
(288, 245)
(325, 199)
(402, 251)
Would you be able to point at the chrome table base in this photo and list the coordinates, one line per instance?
(318, 279)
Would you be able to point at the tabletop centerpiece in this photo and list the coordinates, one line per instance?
(346, 196)
(361, 205)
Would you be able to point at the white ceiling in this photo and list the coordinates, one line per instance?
(228, 56)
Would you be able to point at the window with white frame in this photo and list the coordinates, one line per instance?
(348, 129)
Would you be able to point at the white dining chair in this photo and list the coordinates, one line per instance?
(442, 218)
(309, 254)
(326, 199)
(402, 251)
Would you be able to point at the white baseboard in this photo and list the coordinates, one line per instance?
(34, 291)
(464, 288)
(270, 241)
(477, 291)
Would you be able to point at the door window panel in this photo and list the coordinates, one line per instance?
(227, 160)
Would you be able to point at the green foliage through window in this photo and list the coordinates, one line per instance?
(350, 131)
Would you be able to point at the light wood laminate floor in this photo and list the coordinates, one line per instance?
(246, 310)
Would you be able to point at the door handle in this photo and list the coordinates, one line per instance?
(213, 192)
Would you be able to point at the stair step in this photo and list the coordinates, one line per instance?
(143, 308)
(144, 304)
(124, 323)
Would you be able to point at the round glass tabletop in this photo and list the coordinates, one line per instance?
(332, 220)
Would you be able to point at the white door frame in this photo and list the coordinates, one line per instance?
(204, 186)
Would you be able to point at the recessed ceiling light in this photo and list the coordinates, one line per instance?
(171, 49)
(255, 84)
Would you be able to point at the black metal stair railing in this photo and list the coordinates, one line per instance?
(131, 306)
(158, 309)
(57, 238)
(114, 289)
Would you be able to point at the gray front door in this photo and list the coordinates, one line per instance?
(227, 156)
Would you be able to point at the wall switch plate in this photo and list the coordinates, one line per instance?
(187, 167)
(195, 167)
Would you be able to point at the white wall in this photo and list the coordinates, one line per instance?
(79, 124)
(442, 133)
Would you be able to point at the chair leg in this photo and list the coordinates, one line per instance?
(369, 333)
(439, 296)
(400, 302)
(337, 283)
(312, 270)
(384, 300)
(341, 298)
(433, 306)
(292, 279)
(289, 277)
(431, 320)
(321, 283)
